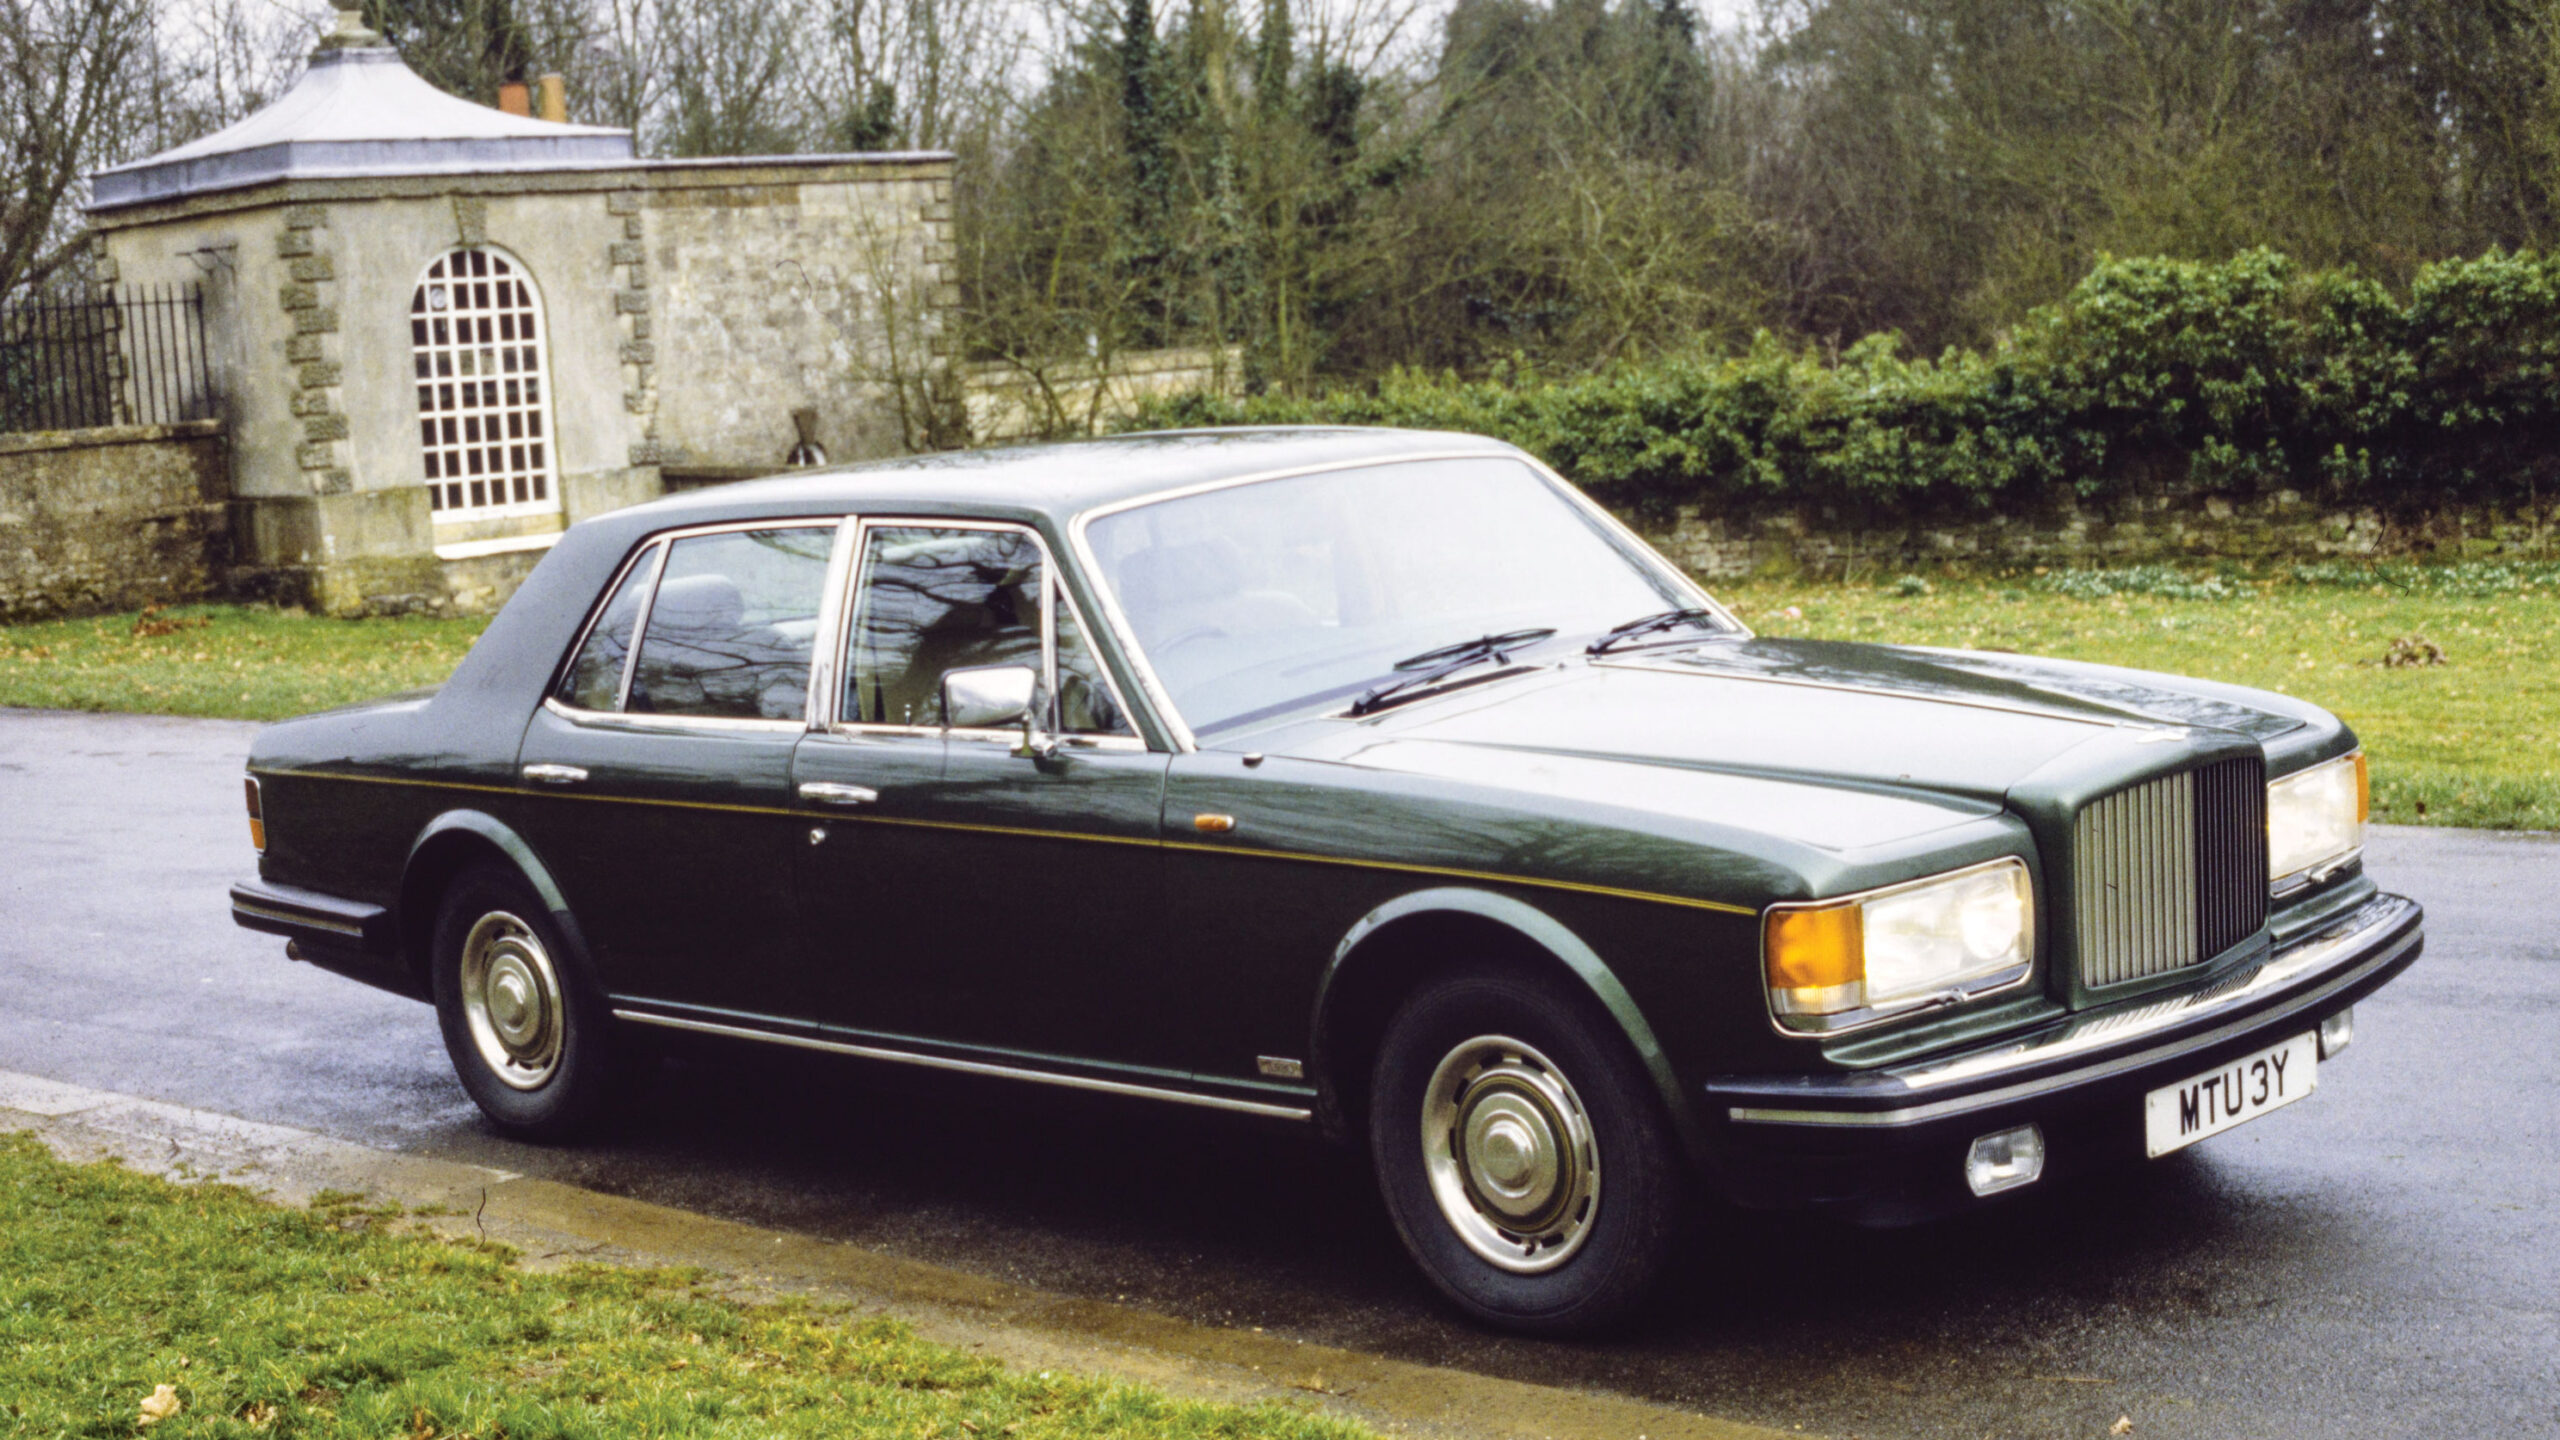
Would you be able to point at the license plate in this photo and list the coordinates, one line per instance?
(2179, 1115)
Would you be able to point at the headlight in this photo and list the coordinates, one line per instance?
(1833, 964)
(2315, 818)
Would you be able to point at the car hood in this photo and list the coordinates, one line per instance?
(1836, 743)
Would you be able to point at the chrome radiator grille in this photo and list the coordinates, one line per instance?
(2170, 872)
(2231, 851)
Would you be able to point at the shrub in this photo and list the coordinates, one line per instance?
(2237, 378)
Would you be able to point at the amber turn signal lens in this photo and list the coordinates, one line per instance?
(1816, 949)
(2364, 790)
(257, 814)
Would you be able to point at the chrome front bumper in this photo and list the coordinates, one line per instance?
(1833, 1137)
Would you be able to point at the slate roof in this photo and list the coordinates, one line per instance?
(359, 111)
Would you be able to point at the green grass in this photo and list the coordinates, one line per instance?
(236, 661)
(272, 1321)
(2473, 741)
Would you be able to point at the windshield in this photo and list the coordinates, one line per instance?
(1258, 599)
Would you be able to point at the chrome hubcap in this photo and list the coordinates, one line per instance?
(1510, 1155)
(511, 1000)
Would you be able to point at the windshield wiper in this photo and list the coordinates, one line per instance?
(1435, 665)
(1652, 624)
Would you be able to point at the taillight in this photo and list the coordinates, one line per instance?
(257, 814)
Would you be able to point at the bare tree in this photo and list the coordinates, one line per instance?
(67, 103)
(729, 65)
(912, 74)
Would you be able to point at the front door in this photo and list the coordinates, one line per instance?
(663, 771)
(955, 894)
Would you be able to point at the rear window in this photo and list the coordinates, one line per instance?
(728, 623)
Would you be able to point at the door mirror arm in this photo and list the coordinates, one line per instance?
(1037, 743)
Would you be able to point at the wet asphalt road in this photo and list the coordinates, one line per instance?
(2380, 1260)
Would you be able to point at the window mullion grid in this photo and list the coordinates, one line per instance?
(506, 438)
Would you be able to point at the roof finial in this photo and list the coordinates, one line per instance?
(351, 33)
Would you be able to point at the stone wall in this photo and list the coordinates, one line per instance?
(2188, 530)
(112, 519)
(820, 289)
(1011, 402)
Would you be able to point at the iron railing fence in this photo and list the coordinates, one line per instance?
(135, 359)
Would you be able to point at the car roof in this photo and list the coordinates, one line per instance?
(1056, 480)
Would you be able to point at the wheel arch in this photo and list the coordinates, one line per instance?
(1391, 948)
(450, 842)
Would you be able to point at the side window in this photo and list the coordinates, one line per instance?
(733, 625)
(1085, 706)
(594, 681)
(933, 600)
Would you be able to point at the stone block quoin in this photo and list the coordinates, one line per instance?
(307, 298)
(626, 263)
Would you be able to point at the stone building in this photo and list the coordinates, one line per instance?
(438, 333)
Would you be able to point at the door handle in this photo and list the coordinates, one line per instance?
(555, 774)
(847, 795)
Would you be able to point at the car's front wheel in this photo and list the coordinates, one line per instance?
(529, 1033)
(1521, 1153)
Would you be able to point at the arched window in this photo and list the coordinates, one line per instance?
(484, 421)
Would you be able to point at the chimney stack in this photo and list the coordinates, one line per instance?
(514, 98)
(555, 99)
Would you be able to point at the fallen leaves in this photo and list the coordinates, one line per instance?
(149, 623)
(2123, 1426)
(2410, 651)
(159, 1405)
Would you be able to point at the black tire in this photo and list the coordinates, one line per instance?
(573, 1070)
(1615, 1243)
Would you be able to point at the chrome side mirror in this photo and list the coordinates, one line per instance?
(986, 697)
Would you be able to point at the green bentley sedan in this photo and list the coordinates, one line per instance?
(1370, 781)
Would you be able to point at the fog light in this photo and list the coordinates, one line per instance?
(2005, 1160)
(2337, 1032)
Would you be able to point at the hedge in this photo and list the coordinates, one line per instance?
(2235, 378)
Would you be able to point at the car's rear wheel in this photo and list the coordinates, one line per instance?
(529, 1032)
(1522, 1153)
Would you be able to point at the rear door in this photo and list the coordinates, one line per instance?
(663, 770)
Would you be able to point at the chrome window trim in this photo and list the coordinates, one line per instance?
(1054, 589)
(1641, 548)
(651, 722)
(1123, 744)
(829, 640)
(657, 548)
(639, 625)
(1185, 741)
(971, 1067)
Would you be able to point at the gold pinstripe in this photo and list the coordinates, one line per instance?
(1398, 866)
